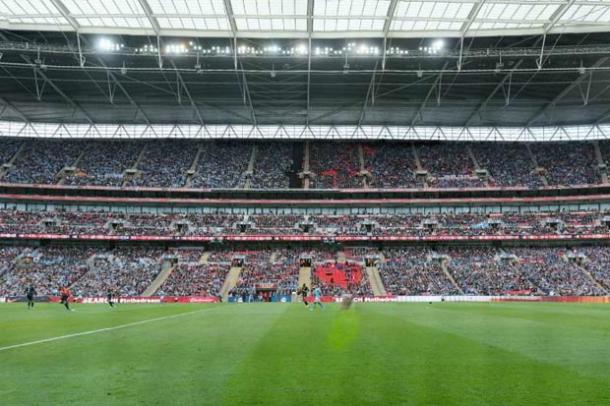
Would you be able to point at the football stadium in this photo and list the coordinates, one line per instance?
(304, 202)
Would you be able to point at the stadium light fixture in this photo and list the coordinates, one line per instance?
(108, 45)
(438, 44)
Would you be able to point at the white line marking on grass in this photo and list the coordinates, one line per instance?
(99, 330)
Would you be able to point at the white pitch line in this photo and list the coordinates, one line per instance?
(100, 330)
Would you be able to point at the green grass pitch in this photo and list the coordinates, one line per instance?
(283, 354)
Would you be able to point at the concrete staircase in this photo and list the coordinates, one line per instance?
(273, 257)
(250, 170)
(545, 181)
(132, 171)
(306, 180)
(341, 256)
(203, 259)
(375, 280)
(445, 270)
(6, 166)
(364, 174)
(418, 165)
(193, 168)
(166, 270)
(66, 171)
(601, 165)
(230, 282)
(475, 162)
(305, 276)
(591, 278)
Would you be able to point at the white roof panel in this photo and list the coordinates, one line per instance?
(350, 15)
(270, 15)
(587, 11)
(192, 15)
(31, 12)
(331, 18)
(108, 13)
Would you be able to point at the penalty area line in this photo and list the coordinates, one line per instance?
(99, 330)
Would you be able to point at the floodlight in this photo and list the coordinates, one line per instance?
(106, 45)
(438, 44)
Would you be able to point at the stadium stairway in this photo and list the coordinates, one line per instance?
(61, 176)
(250, 171)
(193, 168)
(273, 257)
(445, 270)
(475, 162)
(230, 282)
(364, 174)
(167, 267)
(305, 276)
(593, 280)
(375, 279)
(538, 170)
(203, 259)
(601, 165)
(418, 165)
(134, 167)
(341, 257)
(6, 167)
(306, 180)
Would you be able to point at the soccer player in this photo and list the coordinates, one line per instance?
(109, 296)
(304, 291)
(30, 292)
(65, 297)
(317, 298)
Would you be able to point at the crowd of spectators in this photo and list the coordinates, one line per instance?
(47, 269)
(41, 161)
(490, 271)
(196, 272)
(508, 164)
(391, 165)
(449, 165)
(165, 164)
(336, 166)
(597, 263)
(272, 166)
(222, 224)
(277, 272)
(8, 149)
(484, 271)
(567, 163)
(224, 164)
(103, 163)
(89, 271)
(413, 271)
(126, 271)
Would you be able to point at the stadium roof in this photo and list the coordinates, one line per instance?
(308, 18)
(499, 63)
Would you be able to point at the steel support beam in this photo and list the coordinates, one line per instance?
(432, 88)
(387, 25)
(150, 16)
(310, 4)
(71, 102)
(483, 104)
(11, 106)
(188, 94)
(65, 13)
(565, 91)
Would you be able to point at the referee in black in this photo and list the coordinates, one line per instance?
(109, 296)
(30, 292)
